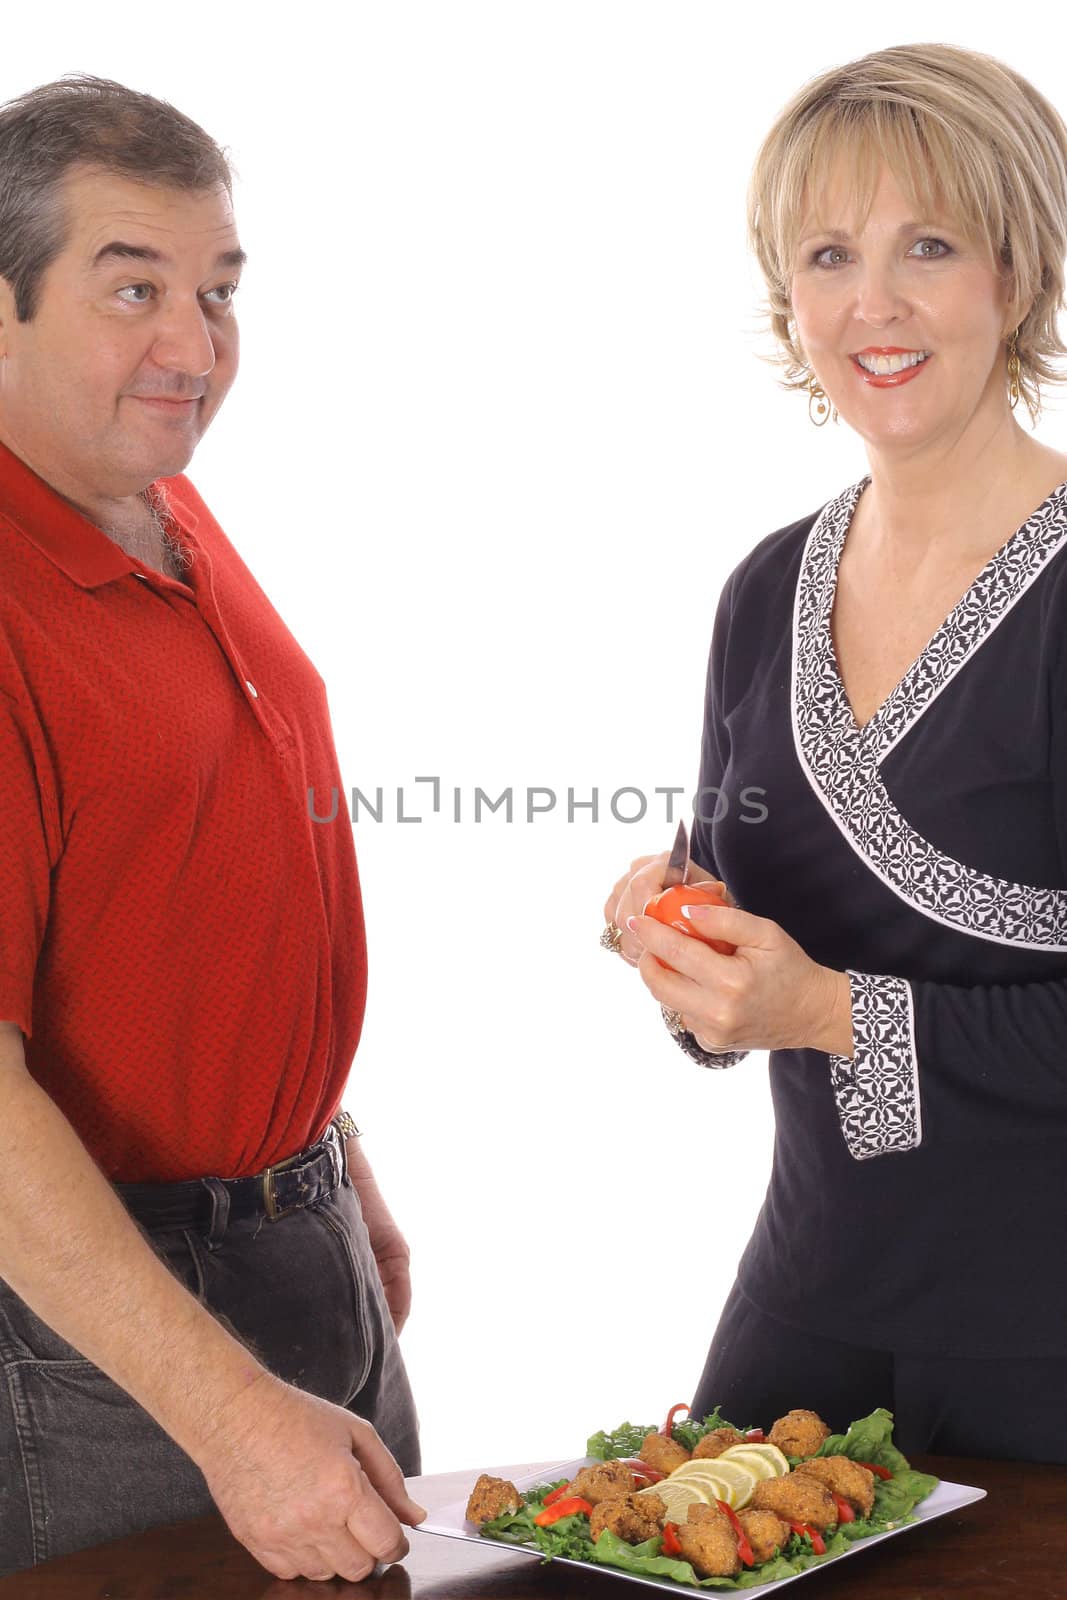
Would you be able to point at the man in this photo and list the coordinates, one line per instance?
(190, 1306)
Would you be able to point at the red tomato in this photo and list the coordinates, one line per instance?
(667, 907)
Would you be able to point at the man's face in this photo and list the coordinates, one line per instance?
(134, 343)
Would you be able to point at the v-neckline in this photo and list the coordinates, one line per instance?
(973, 631)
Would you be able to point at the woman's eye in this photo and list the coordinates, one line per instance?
(131, 288)
(941, 245)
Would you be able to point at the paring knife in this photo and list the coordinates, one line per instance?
(678, 865)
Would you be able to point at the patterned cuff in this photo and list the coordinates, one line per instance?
(877, 1091)
(687, 1042)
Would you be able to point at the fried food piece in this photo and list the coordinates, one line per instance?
(714, 1443)
(709, 1543)
(490, 1498)
(662, 1453)
(796, 1498)
(764, 1531)
(633, 1517)
(799, 1433)
(607, 1481)
(844, 1477)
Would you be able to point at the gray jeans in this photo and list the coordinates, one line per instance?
(82, 1463)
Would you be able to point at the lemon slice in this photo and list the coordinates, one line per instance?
(751, 1453)
(714, 1486)
(730, 1480)
(678, 1497)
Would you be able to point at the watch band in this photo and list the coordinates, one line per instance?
(346, 1125)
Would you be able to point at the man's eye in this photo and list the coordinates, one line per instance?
(131, 289)
(227, 290)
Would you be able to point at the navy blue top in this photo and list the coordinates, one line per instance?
(918, 1195)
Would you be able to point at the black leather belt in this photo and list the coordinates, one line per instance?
(210, 1204)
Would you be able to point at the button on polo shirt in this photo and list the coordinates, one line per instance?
(181, 942)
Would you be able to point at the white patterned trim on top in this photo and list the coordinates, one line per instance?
(877, 1091)
(841, 761)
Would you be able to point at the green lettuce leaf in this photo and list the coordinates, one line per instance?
(626, 1440)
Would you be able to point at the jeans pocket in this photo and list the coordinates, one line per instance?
(94, 1465)
(80, 1461)
(366, 1334)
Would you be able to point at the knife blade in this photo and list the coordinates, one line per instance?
(678, 864)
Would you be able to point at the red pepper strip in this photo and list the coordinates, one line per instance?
(879, 1472)
(641, 1469)
(813, 1534)
(669, 1424)
(561, 1509)
(756, 1436)
(557, 1494)
(671, 1545)
(845, 1512)
(744, 1549)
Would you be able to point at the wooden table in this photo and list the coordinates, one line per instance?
(1011, 1545)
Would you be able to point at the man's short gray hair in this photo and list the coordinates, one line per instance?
(81, 120)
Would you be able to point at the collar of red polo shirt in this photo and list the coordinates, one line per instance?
(67, 537)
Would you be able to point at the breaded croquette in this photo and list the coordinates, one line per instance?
(490, 1498)
(844, 1477)
(765, 1532)
(662, 1453)
(709, 1543)
(607, 1481)
(796, 1498)
(714, 1443)
(633, 1517)
(799, 1433)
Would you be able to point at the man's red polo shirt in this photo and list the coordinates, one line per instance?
(180, 940)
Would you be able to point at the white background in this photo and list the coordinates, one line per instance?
(501, 433)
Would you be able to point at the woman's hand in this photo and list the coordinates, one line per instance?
(768, 995)
(634, 890)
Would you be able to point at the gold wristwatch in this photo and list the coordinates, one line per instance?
(346, 1125)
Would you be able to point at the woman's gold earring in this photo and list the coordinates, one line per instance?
(1013, 370)
(817, 394)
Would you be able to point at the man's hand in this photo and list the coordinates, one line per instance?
(390, 1248)
(304, 1485)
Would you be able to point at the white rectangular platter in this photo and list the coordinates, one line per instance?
(450, 1522)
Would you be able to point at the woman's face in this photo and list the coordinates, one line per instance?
(911, 284)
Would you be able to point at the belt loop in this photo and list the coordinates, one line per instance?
(220, 1210)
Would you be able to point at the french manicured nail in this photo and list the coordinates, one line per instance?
(696, 911)
(631, 923)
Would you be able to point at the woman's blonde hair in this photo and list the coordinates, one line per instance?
(958, 130)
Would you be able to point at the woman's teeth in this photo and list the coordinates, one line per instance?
(883, 365)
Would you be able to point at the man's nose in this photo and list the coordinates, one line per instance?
(183, 340)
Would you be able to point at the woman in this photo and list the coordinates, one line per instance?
(892, 673)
